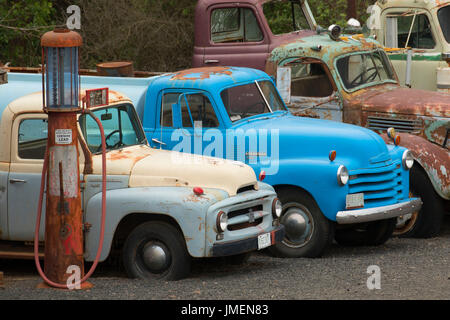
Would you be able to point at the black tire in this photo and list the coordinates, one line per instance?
(429, 219)
(368, 234)
(319, 231)
(167, 240)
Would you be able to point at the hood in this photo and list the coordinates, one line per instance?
(292, 46)
(400, 100)
(149, 167)
(308, 138)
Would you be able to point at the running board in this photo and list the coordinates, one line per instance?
(19, 251)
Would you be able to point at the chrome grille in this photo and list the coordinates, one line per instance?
(245, 218)
(401, 125)
(380, 185)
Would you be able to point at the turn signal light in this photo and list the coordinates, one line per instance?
(397, 140)
(262, 175)
(332, 155)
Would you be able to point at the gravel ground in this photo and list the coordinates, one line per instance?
(410, 269)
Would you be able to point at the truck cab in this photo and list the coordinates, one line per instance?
(422, 27)
(322, 73)
(160, 213)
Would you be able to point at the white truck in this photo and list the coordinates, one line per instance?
(416, 35)
(159, 212)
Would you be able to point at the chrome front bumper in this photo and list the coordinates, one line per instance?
(379, 213)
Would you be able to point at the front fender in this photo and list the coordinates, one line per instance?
(179, 203)
(316, 176)
(435, 160)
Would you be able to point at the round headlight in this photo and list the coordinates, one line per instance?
(335, 32)
(222, 221)
(407, 160)
(277, 208)
(342, 175)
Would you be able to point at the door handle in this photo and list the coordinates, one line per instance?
(17, 181)
(212, 61)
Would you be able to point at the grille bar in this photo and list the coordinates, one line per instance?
(401, 125)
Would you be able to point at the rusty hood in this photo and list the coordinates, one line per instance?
(400, 100)
(169, 168)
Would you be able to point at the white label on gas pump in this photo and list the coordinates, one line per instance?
(63, 136)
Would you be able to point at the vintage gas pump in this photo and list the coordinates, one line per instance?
(64, 220)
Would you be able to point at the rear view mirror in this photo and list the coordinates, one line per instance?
(106, 116)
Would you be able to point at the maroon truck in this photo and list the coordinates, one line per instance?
(323, 74)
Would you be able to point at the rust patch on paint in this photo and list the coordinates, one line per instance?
(201, 73)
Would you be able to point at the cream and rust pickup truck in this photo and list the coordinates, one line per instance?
(153, 215)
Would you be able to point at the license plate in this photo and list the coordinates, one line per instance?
(355, 201)
(264, 241)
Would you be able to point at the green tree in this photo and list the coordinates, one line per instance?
(21, 25)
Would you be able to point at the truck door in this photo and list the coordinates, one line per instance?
(236, 37)
(413, 28)
(188, 123)
(28, 143)
(312, 92)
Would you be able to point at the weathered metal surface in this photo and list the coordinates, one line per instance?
(61, 38)
(116, 69)
(201, 73)
(63, 219)
(434, 159)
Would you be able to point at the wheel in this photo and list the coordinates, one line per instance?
(367, 234)
(307, 232)
(156, 250)
(238, 259)
(427, 222)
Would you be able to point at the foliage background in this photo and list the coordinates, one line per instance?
(157, 35)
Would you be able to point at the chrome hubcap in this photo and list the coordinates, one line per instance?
(156, 257)
(298, 226)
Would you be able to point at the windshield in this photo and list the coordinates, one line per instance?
(365, 69)
(285, 17)
(251, 99)
(120, 124)
(444, 20)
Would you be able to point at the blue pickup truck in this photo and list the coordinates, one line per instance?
(335, 180)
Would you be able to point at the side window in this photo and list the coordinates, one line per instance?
(32, 138)
(235, 25)
(198, 109)
(310, 80)
(409, 30)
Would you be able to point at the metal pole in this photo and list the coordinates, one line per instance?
(64, 234)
